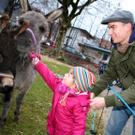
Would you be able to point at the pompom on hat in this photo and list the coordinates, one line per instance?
(84, 79)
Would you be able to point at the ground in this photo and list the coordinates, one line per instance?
(77, 61)
(45, 57)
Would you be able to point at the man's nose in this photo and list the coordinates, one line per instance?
(110, 32)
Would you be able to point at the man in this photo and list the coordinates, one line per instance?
(122, 65)
(102, 67)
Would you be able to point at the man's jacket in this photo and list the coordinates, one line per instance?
(122, 66)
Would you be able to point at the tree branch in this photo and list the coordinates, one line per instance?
(83, 6)
(60, 1)
(73, 13)
(33, 2)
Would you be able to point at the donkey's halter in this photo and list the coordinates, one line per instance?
(34, 38)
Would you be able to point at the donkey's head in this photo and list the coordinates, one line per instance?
(33, 26)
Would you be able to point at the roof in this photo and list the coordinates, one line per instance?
(85, 32)
(95, 47)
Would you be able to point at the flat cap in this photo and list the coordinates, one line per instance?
(119, 16)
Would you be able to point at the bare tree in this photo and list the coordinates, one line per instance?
(16, 4)
(12, 4)
(67, 17)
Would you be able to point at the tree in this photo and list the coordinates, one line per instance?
(67, 17)
(11, 6)
(73, 8)
(15, 4)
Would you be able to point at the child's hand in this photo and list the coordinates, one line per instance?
(92, 95)
(34, 58)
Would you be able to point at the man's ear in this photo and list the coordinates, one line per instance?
(129, 26)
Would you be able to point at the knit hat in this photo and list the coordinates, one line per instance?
(119, 16)
(58, 76)
(84, 79)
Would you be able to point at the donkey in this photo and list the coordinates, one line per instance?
(8, 55)
(33, 26)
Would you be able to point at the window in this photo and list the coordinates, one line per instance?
(105, 56)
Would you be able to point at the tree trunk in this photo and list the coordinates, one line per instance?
(60, 40)
(50, 31)
(61, 36)
(103, 37)
(9, 8)
(56, 32)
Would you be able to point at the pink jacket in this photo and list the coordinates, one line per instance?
(69, 119)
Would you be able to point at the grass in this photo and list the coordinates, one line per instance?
(36, 106)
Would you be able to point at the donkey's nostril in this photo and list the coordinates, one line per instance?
(29, 41)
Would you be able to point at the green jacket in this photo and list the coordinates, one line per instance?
(122, 66)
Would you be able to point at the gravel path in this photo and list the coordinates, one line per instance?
(128, 128)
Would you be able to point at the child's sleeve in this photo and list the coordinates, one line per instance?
(47, 75)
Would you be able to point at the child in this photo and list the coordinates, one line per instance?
(70, 103)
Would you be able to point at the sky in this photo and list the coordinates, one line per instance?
(129, 5)
(91, 23)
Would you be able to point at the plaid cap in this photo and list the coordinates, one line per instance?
(84, 79)
(120, 16)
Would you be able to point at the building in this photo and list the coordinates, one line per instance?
(75, 35)
(97, 50)
(94, 53)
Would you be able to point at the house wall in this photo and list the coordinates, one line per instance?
(77, 36)
(94, 55)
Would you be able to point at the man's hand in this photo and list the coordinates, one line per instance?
(97, 103)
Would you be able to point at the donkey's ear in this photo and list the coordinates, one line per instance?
(3, 21)
(25, 5)
(16, 31)
(52, 16)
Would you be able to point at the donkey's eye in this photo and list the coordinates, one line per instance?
(42, 29)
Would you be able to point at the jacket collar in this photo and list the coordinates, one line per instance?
(128, 52)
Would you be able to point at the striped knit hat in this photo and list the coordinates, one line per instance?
(84, 79)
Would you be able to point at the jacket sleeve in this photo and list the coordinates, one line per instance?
(127, 95)
(107, 77)
(129, 83)
(47, 75)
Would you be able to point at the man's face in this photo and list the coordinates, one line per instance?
(118, 32)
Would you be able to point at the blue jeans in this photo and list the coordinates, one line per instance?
(118, 118)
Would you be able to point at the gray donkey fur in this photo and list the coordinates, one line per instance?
(25, 72)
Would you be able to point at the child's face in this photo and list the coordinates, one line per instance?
(69, 79)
